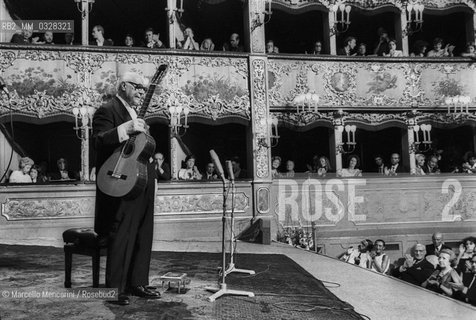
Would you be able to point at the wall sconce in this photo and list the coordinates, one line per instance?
(178, 104)
(309, 100)
(85, 8)
(83, 124)
(172, 10)
(349, 146)
(414, 21)
(341, 18)
(459, 102)
(426, 140)
(273, 130)
(259, 9)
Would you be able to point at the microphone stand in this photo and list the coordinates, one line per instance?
(231, 266)
(223, 290)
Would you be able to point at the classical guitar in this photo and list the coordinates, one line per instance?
(124, 174)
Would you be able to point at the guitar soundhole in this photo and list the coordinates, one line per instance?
(128, 149)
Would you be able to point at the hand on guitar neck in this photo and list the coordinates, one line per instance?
(135, 126)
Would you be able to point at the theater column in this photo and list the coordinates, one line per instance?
(400, 31)
(172, 26)
(330, 30)
(258, 140)
(338, 129)
(410, 147)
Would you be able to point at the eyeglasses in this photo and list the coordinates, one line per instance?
(136, 86)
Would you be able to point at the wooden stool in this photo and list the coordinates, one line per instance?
(86, 242)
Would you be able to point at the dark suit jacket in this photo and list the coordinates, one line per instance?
(165, 175)
(106, 139)
(107, 43)
(430, 249)
(417, 274)
(470, 296)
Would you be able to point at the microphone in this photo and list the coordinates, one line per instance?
(229, 168)
(217, 163)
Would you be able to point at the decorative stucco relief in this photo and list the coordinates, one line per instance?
(37, 208)
(199, 203)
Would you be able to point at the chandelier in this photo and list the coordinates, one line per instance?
(414, 14)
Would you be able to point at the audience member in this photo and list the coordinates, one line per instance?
(34, 174)
(270, 47)
(99, 40)
(324, 166)
(393, 52)
(190, 172)
(440, 279)
(162, 169)
(233, 44)
(317, 49)
(379, 261)
(69, 38)
(470, 165)
(289, 169)
(128, 40)
(22, 175)
(238, 172)
(383, 46)
(465, 254)
(151, 40)
(47, 38)
(439, 51)
(431, 166)
(275, 164)
(92, 174)
(22, 37)
(437, 244)
(314, 166)
(416, 269)
(395, 168)
(62, 172)
(380, 165)
(352, 169)
(210, 173)
(189, 42)
(207, 45)
(362, 50)
(43, 171)
(420, 164)
(359, 256)
(419, 49)
(469, 51)
(348, 48)
(467, 289)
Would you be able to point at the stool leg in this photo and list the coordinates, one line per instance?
(68, 262)
(96, 262)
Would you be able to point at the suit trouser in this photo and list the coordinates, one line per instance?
(130, 241)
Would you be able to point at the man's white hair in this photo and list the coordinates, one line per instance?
(132, 77)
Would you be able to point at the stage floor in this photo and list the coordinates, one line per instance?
(287, 286)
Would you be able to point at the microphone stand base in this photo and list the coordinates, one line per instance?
(231, 268)
(223, 290)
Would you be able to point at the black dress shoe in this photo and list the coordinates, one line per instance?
(143, 292)
(122, 300)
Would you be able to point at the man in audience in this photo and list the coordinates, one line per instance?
(348, 49)
(467, 290)
(383, 46)
(395, 167)
(270, 47)
(317, 49)
(362, 50)
(238, 172)
(99, 40)
(151, 41)
(234, 44)
(416, 269)
(210, 173)
(380, 166)
(431, 166)
(162, 169)
(470, 166)
(62, 173)
(23, 37)
(69, 38)
(437, 245)
(48, 37)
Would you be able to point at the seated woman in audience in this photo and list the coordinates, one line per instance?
(189, 43)
(419, 49)
(128, 41)
(466, 252)
(470, 50)
(289, 169)
(324, 166)
(34, 171)
(207, 45)
(353, 168)
(420, 164)
(317, 49)
(275, 164)
(470, 165)
(190, 172)
(362, 50)
(440, 279)
(439, 51)
(312, 168)
(393, 52)
(22, 175)
(348, 48)
(379, 260)
(271, 48)
(359, 256)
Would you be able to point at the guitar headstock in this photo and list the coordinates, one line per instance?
(159, 74)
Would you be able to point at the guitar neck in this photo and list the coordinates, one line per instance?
(145, 104)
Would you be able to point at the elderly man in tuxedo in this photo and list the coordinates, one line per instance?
(416, 269)
(437, 244)
(127, 223)
(162, 169)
